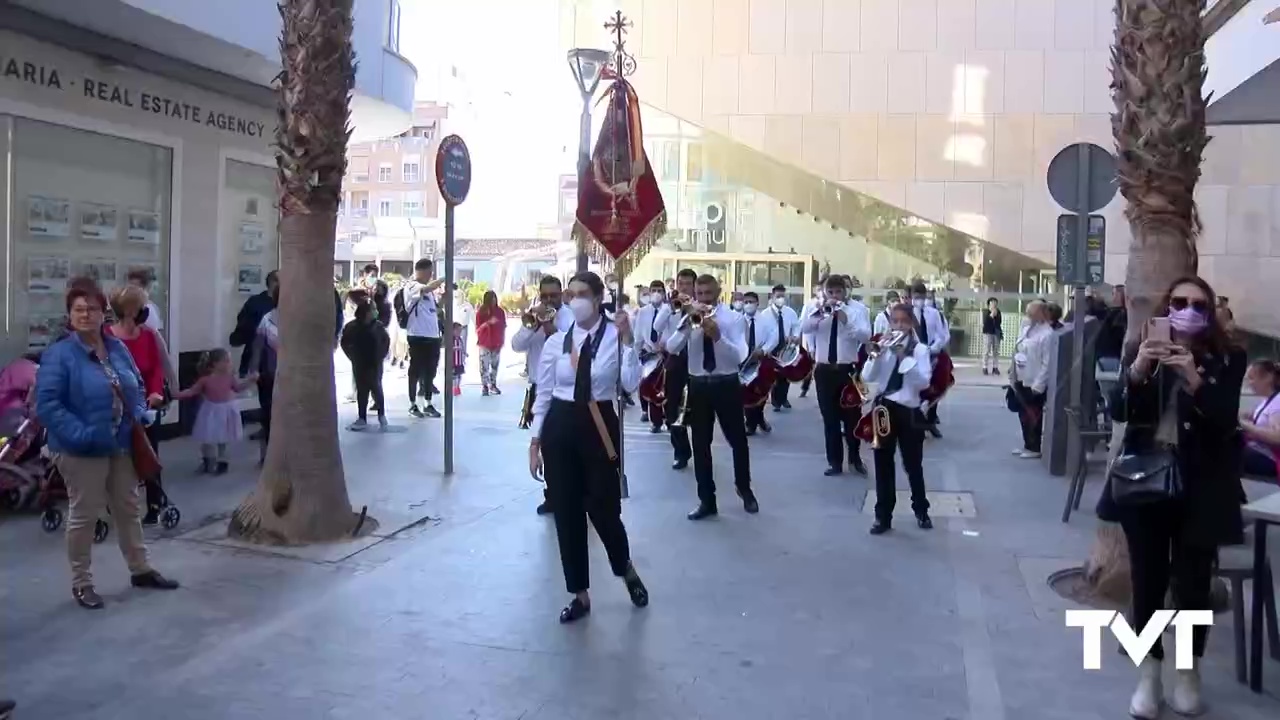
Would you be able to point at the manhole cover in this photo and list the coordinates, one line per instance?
(941, 504)
(1072, 585)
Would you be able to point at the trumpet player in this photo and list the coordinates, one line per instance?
(786, 324)
(712, 335)
(543, 320)
(648, 338)
(839, 328)
(667, 321)
(900, 371)
(881, 324)
(762, 341)
(934, 333)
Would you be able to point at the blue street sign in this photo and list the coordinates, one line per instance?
(453, 170)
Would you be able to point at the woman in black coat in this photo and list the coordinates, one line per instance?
(1184, 395)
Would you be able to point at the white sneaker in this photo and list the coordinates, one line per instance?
(1017, 451)
(1186, 698)
(1145, 703)
(1028, 455)
(358, 425)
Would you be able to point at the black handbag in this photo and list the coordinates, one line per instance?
(1145, 478)
(1011, 399)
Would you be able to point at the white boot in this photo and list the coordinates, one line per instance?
(1145, 703)
(1186, 698)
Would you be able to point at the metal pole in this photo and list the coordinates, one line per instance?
(584, 164)
(446, 341)
(622, 407)
(1074, 454)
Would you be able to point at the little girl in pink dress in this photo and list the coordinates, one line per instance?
(218, 419)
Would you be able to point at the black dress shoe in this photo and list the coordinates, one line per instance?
(935, 432)
(702, 512)
(680, 464)
(638, 592)
(749, 502)
(858, 466)
(575, 610)
(153, 580)
(544, 508)
(655, 429)
(7, 707)
(766, 428)
(832, 472)
(751, 431)
(87, 598)
(644, 417)
(924, 521)
(880, 527)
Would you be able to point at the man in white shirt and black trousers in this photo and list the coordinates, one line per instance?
(717, 347)
(786, 325)
(677, 365)
(649, 336)
(530, 341)
(935, 334)
(762, 341)
(423, 329)
(839, 328)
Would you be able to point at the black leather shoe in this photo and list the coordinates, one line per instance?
(644, 417)
(153, 580)
(880, 527)
(680, 464)
(7, 707)
(544, 508)
(858, 466)
(924, 521)
(655, 429)
(765, 427)
(702, 512)
(638, 592)
(751, 432)
(749, 502)
(832, 472)
(787, 405)
(575, 610)
(87, 598)
(935, 432)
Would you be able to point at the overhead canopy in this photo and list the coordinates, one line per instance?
(1255, 101)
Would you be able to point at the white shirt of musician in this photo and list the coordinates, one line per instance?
(881, 324)
(939, 333)
(646, 323)
(766, 324)
(666, 321)
(531, 341)
(854, 330)
(730, 350)
(810, 308)
(914, 381)
(556, 375)
(790, 320)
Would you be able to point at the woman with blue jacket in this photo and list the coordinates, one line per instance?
(89, 395)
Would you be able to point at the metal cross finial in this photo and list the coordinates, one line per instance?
(623, 63)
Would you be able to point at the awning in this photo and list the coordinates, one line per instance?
(1255, 101)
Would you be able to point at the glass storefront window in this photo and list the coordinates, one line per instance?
(250, 216)
(78, 203)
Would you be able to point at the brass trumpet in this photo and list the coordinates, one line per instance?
(526, 409)
(892, 339)
(537, 316)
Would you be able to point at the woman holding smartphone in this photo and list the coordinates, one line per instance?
(1181, 394)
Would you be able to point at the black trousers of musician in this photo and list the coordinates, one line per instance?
(837, 423)
(754, 417)
(781, 388)
(906, 436)
(713, 399)
(676, 379)
(583, 483)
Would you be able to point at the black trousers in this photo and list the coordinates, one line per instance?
(781, 388)
(369, 383)
(266, 397)
(1031, 416)
(804, 384)
(718, 399)
(676, 380)
(754, 417)
(424, 362)
(906, 435)
(1158, 555)
(837, 423)
(583, 483)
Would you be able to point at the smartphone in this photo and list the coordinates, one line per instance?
(1158, 329)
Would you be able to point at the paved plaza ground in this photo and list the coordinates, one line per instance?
(793, 614)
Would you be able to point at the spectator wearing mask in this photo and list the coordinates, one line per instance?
(366, 344)
(1029, 376)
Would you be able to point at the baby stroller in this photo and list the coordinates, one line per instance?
(27, 475)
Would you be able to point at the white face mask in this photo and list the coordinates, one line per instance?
(917, 302)
(644, 299)
(749, 308)
(583, 309)
(737, 305)
(779, 302)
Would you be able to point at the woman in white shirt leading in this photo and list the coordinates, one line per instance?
(1030, 376)
(899, 385)
(576, 436)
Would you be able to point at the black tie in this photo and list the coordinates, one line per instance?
(582, 382)
(708, 354)
(653, 329)
(924, 327)
(895, 380)
(832, 349)
(782, 337)
(751, 336)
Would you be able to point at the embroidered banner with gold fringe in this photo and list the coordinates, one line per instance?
(620, 210)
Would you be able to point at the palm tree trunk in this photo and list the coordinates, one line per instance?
(302, 493)
(1157, 65)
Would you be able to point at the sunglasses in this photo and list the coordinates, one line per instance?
(1181, 303)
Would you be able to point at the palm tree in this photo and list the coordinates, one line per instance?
(302, 493)
(1157, 79)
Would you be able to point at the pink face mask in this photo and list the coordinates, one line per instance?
(1188, 321)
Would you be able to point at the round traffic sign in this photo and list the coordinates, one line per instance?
(1082, 177)
(453, 170)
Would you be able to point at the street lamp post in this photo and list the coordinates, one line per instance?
(588, 66)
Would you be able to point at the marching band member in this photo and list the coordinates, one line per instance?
(677, 365)
(839, 327)
(530, 338)
(716, 348)
(576, 433)
(810, 340)
(881, 324)
(737, 300)
(648, 335)
(786, 325)
(935, 334)
(899, 385)
(762, 341)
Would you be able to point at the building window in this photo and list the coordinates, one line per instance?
(412, 208)
(384, 173)
(393, 27)
(411, 172)
(360, 176)
(384, 208)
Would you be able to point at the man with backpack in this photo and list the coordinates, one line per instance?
(417, 313)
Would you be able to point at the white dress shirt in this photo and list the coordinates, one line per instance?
(423, 310)
(807, 312)
(880, 369)
(790, 321)
(557, 376)
(850, 334)
(766, 331)
(530, 341)
(730, 350)
(931, 320)
(646, 323)
(666, 321)
(881, 324)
